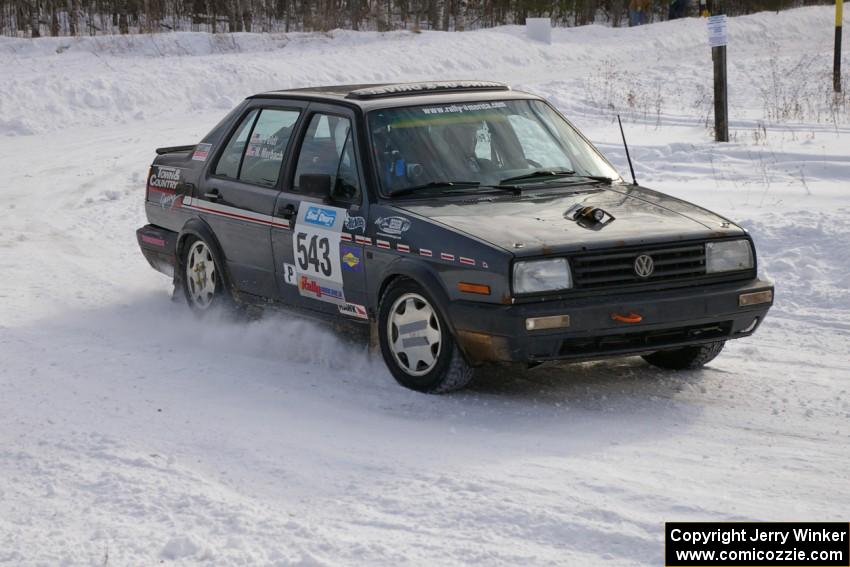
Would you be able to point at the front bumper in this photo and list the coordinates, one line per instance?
(669, 319)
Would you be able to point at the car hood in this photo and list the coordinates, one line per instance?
(534, 224)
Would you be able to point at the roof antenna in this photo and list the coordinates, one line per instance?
(628, 157)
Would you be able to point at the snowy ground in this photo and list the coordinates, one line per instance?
(130, 434)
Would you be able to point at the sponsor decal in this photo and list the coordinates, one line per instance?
(354, 310)
(363, 240)
(254, 145)
(485, 265)
(345, 236)
(311, 287)
(417, 87)
(392, 226)
(467, 261)
(289, 275)
(168, 200)
(447, 257)
(382, 244)
(351, 258)
(403, 247)
(264, 147)
(164, 179)
(316, 250)
(202, 151)
(320, 216)
(425, 252)
(355, 223)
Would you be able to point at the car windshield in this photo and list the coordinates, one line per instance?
(479, 145)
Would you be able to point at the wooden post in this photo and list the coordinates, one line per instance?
(717, 40)
(836, 66)
(721, 107)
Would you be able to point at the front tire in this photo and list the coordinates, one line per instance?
(686, 358)
(416, 344)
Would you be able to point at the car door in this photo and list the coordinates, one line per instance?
(238, 193)
(319, 258)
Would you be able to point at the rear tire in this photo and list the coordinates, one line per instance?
(686, 358)
(416, 343)
(201, 278)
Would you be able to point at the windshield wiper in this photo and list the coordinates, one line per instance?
(486, 189)
(554, 174)
(600, 178)
(434, 185)
(539, 173)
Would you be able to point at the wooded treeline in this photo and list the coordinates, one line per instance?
(36, 18)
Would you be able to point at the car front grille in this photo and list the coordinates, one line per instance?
(617, 267)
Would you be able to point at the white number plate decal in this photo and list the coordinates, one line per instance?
(315, 245)
(289, 274)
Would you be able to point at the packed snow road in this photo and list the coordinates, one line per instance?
(131, 433)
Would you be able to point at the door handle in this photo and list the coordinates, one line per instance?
(287, 211)
(213, 195)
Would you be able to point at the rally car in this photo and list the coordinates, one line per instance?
(464, 223)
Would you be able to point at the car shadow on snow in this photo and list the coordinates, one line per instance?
(626, 387)
(287, 354)
(584, 381)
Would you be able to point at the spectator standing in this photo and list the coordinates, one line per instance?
(678, 9)
(638, 12)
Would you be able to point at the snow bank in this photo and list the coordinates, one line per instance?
(98, 81)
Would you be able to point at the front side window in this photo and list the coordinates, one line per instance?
(254, 153)
(328, 149)
(477, 144)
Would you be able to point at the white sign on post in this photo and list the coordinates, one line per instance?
(716, 26)
(539, 29)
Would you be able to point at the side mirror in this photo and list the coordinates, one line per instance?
(315, 185)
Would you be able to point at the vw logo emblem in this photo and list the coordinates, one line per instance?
(644, 266)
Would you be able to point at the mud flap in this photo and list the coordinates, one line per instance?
(374, 340)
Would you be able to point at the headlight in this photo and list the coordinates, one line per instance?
(542, 275)
(728, 255)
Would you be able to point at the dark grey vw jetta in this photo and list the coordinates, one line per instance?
(463, 222)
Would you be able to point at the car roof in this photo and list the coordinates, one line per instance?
(385, 95)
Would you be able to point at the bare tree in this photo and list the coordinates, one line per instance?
(460, 18)
(378, 16)
(123, 23)
(77, 17)
(35, 26)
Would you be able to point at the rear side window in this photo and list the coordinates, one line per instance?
(266, 146)
(254, 153)
(228, 163)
